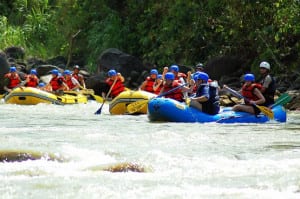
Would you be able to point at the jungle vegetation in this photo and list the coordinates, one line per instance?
(161, 32)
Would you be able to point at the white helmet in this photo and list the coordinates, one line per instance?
(265, 64)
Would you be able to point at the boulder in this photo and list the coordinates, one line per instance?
(129, 66)
(227, 65)
(4, 68)
(15, 52)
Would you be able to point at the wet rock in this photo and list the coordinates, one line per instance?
(121, 167)
(294, 104)
(23, 155)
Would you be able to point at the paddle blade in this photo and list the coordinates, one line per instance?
(136, 106)
(98, 112)
(282, 100)
(265, 110)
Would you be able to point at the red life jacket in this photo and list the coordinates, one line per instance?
(78, 77)
(176, 94)
(149, 85)
(118, 87)
(248, 91)
(158, 89)
(32, 81)
(13, 80)
(70, 83)
(55, 82)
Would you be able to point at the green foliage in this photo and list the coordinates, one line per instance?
(161, 32)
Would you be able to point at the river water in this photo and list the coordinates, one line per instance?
(181, 160)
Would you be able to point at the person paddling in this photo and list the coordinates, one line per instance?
(57, 83)
(252, 95)
(169, 84)
(71, 81)
(158, 84)
(148, 84)
(78, 76)
(116, 81)
(268, 83)
(11, 79)
(32, 80)
(207, 97)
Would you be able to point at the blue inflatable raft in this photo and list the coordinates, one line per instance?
(165, 109)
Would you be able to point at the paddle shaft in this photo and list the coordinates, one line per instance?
(138, 105)
(106, 96)
(173, 89)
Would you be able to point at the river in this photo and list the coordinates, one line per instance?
(180, 160)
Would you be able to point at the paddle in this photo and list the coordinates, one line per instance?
(282, 100)
(98, 112)
(265, 110)
(138, 105)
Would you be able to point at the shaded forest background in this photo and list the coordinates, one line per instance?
(158, 32)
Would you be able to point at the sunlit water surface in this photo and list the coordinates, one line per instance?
(182, 160)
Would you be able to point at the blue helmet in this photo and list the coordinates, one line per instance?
(112, 73)
(42, 84)
(154, 72)
(12, 69)
(67, 72)
(175, 68)
(170, 76)
(203, 76)
(195, 75)
(249, 77)
(159, 76)
(33, 72)
(55, 72)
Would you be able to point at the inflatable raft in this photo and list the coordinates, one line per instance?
(33, 96)
(118, 106)
(165, 109)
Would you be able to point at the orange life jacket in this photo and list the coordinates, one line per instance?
(32, 81)
(149, 85)
(176, 94)
(248, 91)
(118, 87)
(13, 80)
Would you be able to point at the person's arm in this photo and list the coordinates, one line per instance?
(76, 83)
(261, 99)
(157, 85)
(143, 85)
(203, 96)
(266, 84)
(121, 77)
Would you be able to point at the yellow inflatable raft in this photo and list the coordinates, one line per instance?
(118, 105)
(33, 96)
